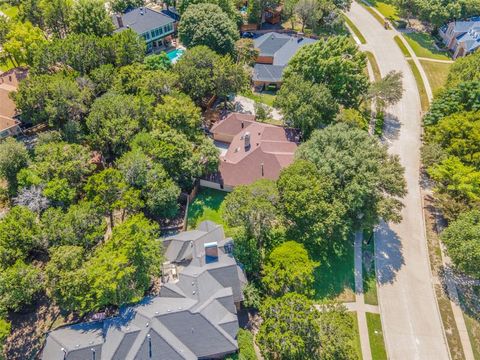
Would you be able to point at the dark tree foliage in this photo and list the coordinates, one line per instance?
(122, 6)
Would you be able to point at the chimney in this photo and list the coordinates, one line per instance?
(263, 173)
(119, 21)
(247, 141)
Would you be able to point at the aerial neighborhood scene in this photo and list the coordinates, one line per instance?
(239, 179)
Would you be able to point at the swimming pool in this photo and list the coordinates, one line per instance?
(174, 55)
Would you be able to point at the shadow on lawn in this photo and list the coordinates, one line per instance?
(335, 274)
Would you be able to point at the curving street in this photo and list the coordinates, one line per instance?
(410, 317)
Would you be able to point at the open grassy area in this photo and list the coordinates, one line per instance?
(373, 12)
(437, 73)
(421, 86)
(375, 334)
(358, 347)
(206, 206)
(402, 46)
(423, 45)
(355, 30)
(263, 97)
(373, 62)
(334, 278)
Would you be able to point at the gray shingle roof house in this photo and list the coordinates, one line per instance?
(152, 25)
(194, 317)
(461, 37)
(275, 51)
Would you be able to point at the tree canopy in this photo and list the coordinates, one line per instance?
(336, 63)
(207, 24)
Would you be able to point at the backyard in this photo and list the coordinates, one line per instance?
(206, 206)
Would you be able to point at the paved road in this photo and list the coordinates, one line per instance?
(410, 317)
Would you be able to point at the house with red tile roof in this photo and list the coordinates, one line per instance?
(255, 151)
(9, 80)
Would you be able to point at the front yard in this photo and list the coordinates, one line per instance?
(437, 73)
(423, 45)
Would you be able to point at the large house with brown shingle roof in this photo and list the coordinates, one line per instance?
(255, 151)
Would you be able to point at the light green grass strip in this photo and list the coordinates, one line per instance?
(375, 334)
(355, 30)
(402, 46)
(375, 68)
(421, 86)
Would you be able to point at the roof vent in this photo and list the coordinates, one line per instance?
(263, 173)
(147, 324)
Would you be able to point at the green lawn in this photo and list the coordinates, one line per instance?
(423, 45)
(388, 10)
(206, 206)
(402, 46)
(358, 346)
(437, 73)
(334, 278)
(10, 11)
(375, 334)
(473, 328)
(369, 277)
(421, 86)
(264, 97)
(355, 30)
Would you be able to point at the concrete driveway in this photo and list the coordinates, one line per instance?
(410, 316)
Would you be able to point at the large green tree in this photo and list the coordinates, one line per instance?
(13, 158)
(366, 179)
(56, 16)
(313, 213)
(464, 69)
(289, 269)
(19, 284)
(462, 238)
(19, 232)
(123, 268)
(90, 17)
(336, 63)
(122, 6)
(22, 41)
(306, 106)
(207, 24)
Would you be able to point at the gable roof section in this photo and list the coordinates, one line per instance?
(281, 47)
(142, 20)
(267, 73)
(195, 318)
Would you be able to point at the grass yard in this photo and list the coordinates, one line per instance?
(421, 86)
(355, 30)
(358, 347)
(402, 46)
(264, 98)
(375, 334)
(473, 328)
(206, 206)
(388, 10)
(437, 73)
(10, 11)
(334, 278)
(373, 12)
(369, 277)
(423, 45)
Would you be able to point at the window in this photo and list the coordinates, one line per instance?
(168, 28)
(152, 33)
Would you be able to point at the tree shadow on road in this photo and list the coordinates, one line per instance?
(391, 128)
(388, 254)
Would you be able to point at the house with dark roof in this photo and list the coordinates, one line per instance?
(193, 317)
(255, 151)
(275, 51)
(461, 37)
(155, 27)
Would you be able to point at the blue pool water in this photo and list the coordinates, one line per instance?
(174, 55)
